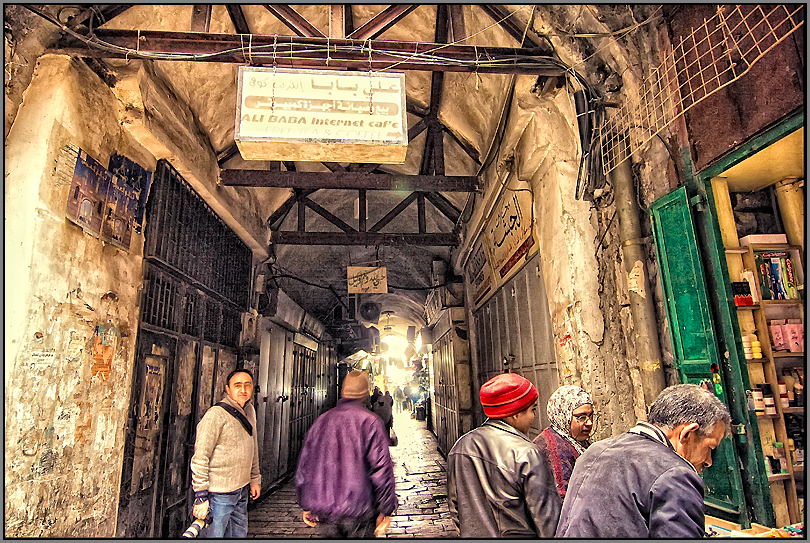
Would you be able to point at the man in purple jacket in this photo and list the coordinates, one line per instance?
(345, 477)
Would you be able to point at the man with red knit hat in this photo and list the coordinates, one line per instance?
(499, 483)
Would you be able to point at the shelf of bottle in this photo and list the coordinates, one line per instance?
(752, 306)
(794, 410)
(798, 471)
(778, 477)
(764, 416)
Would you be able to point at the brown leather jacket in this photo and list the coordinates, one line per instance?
(518, 497)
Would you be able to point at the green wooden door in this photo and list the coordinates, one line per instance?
(693, 338)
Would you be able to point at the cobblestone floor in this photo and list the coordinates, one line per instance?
(421, 475)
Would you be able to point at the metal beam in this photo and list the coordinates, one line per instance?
(281, 212)
(284, 237)
(458, 31)
(348, 180)
(394, 212)
(294, 21)
(237, 18)
(381, 22)
(99, 13)
(226, 154)
(508, 21)
(340, 20)
(471, 151)
(444, 206)
(325, 214)
(309, 52)
(201, 17)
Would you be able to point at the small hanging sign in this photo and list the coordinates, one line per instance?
(321, 115)
(367, 280)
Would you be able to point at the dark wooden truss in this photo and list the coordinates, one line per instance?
(348, 47)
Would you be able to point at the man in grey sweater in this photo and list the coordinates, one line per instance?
(225, 465)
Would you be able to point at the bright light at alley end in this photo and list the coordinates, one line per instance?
(321, 115)
(396, 346)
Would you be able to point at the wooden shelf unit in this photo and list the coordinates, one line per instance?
(765, 311)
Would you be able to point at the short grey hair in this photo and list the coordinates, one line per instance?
(685, 404)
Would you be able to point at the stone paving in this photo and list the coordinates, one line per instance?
(421, 475)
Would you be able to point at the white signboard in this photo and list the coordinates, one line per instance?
(363, 279)
(320, 115)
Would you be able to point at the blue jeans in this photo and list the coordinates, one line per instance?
(228, 512)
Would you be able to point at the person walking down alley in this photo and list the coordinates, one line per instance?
(383, 408)
(225, 465)
(398, 397)
(646, 482)
(499, 483)
(345, 477)
(570, 412)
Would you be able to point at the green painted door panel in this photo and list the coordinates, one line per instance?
(693, 339)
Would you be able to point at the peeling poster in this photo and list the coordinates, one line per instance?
(635, 279)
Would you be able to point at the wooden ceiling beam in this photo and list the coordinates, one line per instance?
(458, 31)
(323, 212)
(444, 206)
(340, 20)
(509, 22)
(201, 17)
(237, 18)
(100, 14)
(284, 237)
(307, 52)
(348, 180)
(381, 22)
(379, 225)
(294, 21)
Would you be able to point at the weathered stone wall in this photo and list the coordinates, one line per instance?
(71, 316)
(579, 245)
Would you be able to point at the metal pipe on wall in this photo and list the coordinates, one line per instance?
(642, 310)
(790, 196)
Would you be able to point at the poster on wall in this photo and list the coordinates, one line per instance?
(106, 205)
(509, 232)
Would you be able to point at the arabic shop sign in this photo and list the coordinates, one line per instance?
(363, 279)
(321, 115)
(509, 231)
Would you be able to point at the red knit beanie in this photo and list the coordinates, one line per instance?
(507, 394)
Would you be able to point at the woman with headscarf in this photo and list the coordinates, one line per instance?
(570, 411)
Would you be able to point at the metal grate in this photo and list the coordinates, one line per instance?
(159, 300)
(184, 232)
(712, 56)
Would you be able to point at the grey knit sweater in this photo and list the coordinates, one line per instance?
(225, 457)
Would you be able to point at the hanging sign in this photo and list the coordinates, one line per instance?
(364, 279)
(321, 115)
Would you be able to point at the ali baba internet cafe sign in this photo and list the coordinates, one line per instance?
(321, 115)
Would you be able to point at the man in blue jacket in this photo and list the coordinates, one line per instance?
(646, 482)
(345, 477)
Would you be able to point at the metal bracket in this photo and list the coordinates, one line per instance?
(738, 429)
(699, 201)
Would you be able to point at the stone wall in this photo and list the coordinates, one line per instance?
(71, 316)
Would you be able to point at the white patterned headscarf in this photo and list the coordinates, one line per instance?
(560, 411)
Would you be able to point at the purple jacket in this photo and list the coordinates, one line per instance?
(345, 469)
